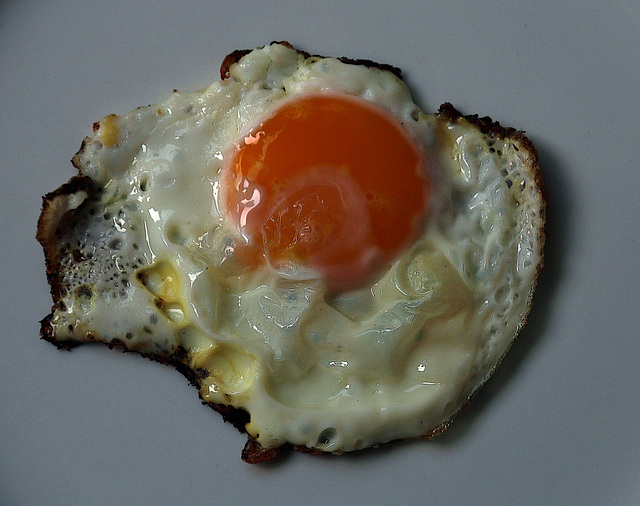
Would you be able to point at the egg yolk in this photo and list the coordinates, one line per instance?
(328, 186)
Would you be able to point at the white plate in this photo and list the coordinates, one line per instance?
(559, 421)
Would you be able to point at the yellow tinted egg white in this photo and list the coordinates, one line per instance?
(149, 260)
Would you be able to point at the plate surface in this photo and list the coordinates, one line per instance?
(556, 424)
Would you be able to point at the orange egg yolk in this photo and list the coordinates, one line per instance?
(328, 186)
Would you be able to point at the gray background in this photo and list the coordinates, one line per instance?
(558, 423)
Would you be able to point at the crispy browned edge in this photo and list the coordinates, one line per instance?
(236, 55)
(253, 452)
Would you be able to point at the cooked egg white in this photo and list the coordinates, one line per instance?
(149, 259)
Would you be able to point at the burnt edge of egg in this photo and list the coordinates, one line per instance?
(53, 215)
(236, 56)
(495, 130)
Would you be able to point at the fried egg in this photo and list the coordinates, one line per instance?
(329, 265)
